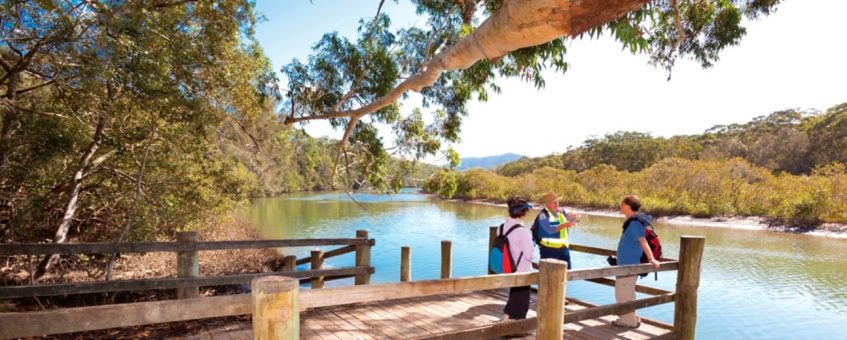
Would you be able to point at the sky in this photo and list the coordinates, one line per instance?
(794, 58)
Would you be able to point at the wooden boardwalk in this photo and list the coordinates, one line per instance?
(446, 308)
(431, 316)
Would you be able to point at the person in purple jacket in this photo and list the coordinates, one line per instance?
(521, 248)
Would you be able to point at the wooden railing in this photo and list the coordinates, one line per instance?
(286, 303)
(186, 247)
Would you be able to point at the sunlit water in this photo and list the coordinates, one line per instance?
(754, 284)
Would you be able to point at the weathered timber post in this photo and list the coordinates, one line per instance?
(187, 265)
(687, 282)
(317, 264)
(289, 263)
(363, 258)
(276, 308)
(405, 264)
(446, 259)
(552, 283)
(492, 234)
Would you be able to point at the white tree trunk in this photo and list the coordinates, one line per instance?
(73, 197)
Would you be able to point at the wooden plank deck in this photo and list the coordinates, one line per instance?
(433, 315)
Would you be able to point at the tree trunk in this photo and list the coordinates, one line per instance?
(137, 198)
(76, 186)
(8, 120)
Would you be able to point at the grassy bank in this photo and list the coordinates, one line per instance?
(673, 186)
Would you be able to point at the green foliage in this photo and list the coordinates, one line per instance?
(443, 183)
(673, 186)
(630, 151)
(828, 136)
(348, 74)
(784, 141)
(699, 30)
(787, 166)
(167, 81)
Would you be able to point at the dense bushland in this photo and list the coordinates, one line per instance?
(673, 186)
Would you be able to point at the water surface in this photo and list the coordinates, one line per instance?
(754, 284)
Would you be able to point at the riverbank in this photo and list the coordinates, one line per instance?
(833, 230)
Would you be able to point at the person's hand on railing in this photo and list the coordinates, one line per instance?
(655, 263)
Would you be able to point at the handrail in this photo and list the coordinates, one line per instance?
(601, 251)
(164, 283)
(618, 308)
(335, 252)
(392, 291)
(149, 247)
(82, 319)
(635, 269)
(638, 288)
(591, 250)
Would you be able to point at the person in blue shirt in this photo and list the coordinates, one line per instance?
(552, 224)
(630, 248)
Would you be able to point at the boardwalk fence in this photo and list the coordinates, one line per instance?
(188, 281)
(552, 282)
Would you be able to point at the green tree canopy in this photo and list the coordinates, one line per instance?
(100, 98)
(465, 46)
(790, 141)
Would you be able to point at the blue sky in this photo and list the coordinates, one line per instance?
(795, 58)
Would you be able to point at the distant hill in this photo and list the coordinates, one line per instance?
(488, 162)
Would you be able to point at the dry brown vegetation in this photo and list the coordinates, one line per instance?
(83, 268)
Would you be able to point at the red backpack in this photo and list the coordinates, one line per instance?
(653, 242)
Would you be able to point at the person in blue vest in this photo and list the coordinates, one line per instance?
(552, 224)
(630, 248)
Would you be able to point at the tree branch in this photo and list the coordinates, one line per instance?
(678, 24)
(6, 67)
(291, 120)
(172, 4)
(379, 9)
(132, 208)
(345, 98)
(244, 129)
(31, 88)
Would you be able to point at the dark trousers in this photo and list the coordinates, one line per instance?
(518, 303)
(563, 254)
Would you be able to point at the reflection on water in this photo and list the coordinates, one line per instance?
(754, 285)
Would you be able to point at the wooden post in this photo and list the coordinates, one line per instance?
(187, 265)
(405, 264)
(289, 263)
(276, 308)
(687, 282)
(317, 263)
(446, 259)
(552, 284)
(492, 234)
(363, 258)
